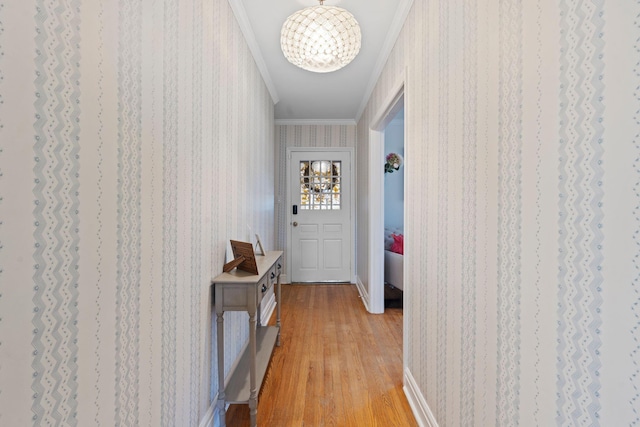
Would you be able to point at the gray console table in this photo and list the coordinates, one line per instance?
(242, 291)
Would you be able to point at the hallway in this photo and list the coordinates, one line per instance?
(337, 366)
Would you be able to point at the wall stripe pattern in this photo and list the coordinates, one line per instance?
(281, 187)
(575, 88)
(509, 212)
(170, 212)
(129, 214)
(113, 315)
(485, 395)
(56, 170)
(244, 110)
(580, 211)
(551, 347)
(538, 205)
(634, 378)
(423, 161)
(196, 214)
(469, 226)
(326, 136)
(442, 283)
(217, 202)
(97, 354)
(156, 215)
(185, 215)
(208, 192)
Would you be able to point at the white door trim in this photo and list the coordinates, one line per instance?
(289, 203)
(384, 115)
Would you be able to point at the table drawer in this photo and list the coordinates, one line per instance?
(262, 288)
(235, 298)
(272, 276)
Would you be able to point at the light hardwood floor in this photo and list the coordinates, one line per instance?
(338, 365)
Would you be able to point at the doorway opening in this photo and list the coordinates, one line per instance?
(394, 211)
(377, 159)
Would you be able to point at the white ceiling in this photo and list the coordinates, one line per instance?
(305, 97)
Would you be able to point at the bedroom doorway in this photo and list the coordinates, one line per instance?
(394, 211)
(375, 297)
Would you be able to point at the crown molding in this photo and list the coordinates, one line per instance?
(243, 21)
(394, 30)
(302, 122)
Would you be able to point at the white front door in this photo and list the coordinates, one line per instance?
(320, 216)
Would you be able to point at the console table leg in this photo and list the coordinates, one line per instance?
(221, 393)
(253, 391)
(278, 305)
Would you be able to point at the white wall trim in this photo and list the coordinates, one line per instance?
(243, 21)
(389, 108)
(376, 223)
(363, 293)
(209, 416)
(318, 122)
(383, 117)
(397, 122)
(419, 406)
(402, 12)
(267, 307)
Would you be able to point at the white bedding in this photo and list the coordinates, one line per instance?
(393, 273)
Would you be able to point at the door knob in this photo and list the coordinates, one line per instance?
(295, 224)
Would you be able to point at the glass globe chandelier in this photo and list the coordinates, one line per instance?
(320, 38)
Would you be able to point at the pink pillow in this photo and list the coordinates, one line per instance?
(398, 244)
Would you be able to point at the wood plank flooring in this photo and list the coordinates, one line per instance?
(338, 365)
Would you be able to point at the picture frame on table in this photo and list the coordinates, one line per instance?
(259, 248)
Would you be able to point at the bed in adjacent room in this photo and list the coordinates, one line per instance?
(393, 258)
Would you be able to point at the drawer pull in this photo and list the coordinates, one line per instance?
(279, 266)
(273, 274)
(264, 288)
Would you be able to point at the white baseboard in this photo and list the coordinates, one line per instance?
(418, 404)
(364, 296)
(267, 308)
(209, 416)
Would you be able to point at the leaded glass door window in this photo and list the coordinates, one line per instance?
(320, 184)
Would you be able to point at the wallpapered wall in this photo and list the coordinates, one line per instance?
(309, 135)
(136, 138)
(522, 175)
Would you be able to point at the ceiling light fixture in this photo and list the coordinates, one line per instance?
(320, 38)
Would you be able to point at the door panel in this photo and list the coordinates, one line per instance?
(310, 250)
(333, 228)
(334, 256)
(320, 189)
(308, 229)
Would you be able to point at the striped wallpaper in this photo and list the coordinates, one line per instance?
(137, 139)
(121, 123)
(522, 210)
